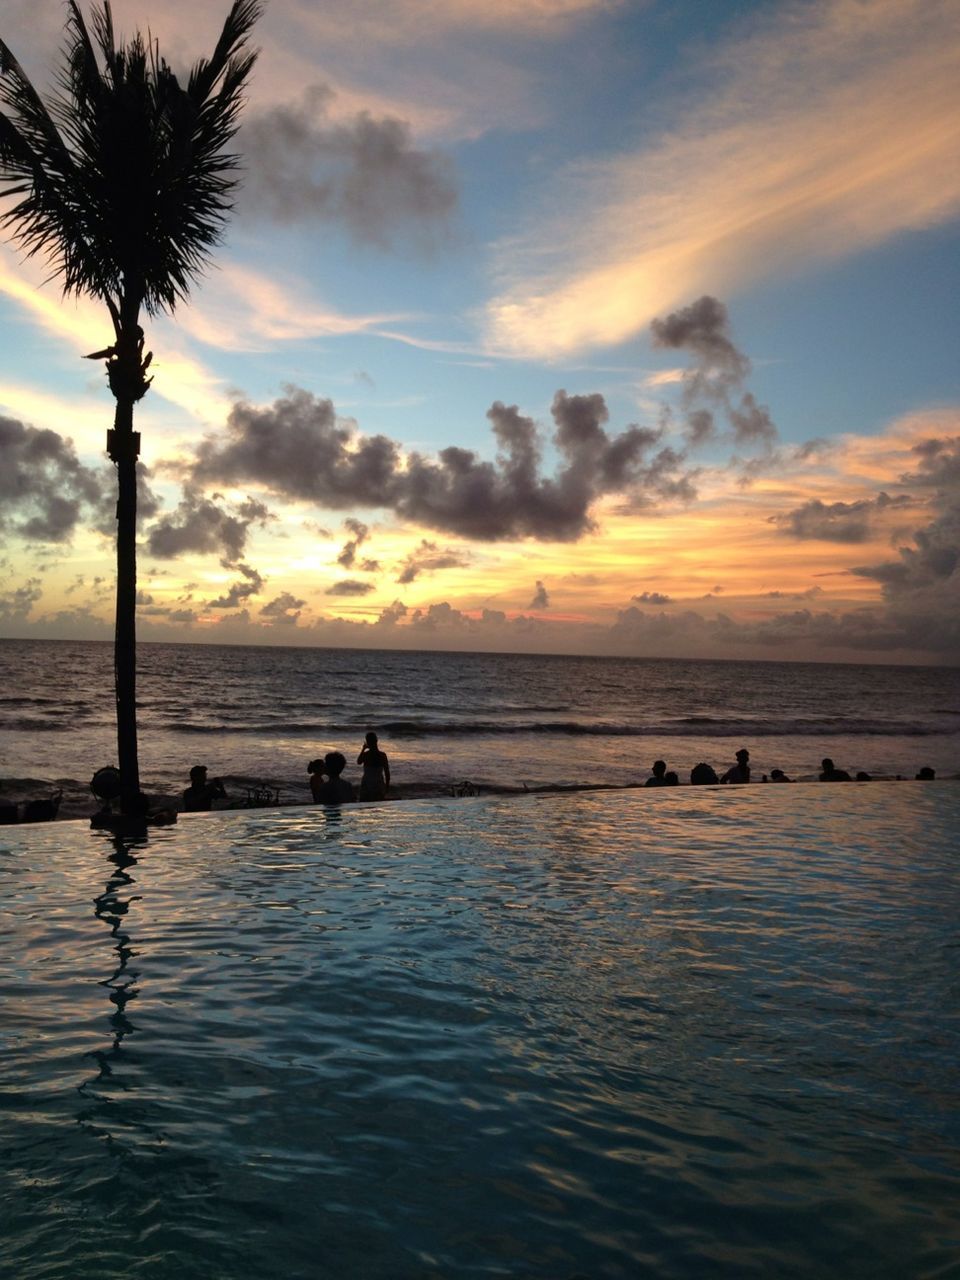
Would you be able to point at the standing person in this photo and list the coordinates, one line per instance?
(200, 794)
(376, 769)
(739, 772)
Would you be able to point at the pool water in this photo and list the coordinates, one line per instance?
(694, 1033)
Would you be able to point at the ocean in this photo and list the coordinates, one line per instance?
(498, 721)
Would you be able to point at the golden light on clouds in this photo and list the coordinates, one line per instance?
(836, 127)
(83, 324)
(241, 309)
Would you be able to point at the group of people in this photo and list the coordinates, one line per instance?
(704, 774)
(327, 785)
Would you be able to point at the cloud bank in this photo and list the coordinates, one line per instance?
(457, 492)
(44, 488)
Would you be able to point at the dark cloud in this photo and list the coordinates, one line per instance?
(921, 588)
(360, 533)
(429, 558)
(541, 597)
(702, 328)
(362, 173)
(652, 597)
(700, 427)
(816, 448)
(44, 487)
(16, 605)
(105, 511)
(836, 521)
(202, 525)
(798, 631)
(392, 614)
(456, 492)
(778, 459)
(716, 376)
(810, 594)
(939, 464)
(439, 617)
(283, 610)
(251, 584)
(930, 563)
(298, 448)
(751, 421)
(350, 587)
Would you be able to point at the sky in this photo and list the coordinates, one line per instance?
(581, 326)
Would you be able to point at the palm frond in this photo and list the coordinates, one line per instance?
(126, 177)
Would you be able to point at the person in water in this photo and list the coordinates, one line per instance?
(316, 771)
(326, 784)
(375, 778)
(777, 775)
(658, 778)
(200, 794)
(703, 775)
(831, 773)
(739, 772)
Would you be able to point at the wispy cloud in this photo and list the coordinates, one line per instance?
(241, 309)
(829, 129)
(85, 324)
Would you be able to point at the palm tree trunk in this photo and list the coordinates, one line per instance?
(124, 450)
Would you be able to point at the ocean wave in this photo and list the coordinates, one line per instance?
(27, 724)
(682, 727)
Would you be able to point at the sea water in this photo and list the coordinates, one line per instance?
(260, 714)
(706, 1032)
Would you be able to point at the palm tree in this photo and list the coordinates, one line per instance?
(122, 183)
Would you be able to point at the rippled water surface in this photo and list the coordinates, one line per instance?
(673, 1034)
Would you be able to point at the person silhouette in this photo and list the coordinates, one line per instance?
(831, 773)
(659, 775)
(335, 790)
(739, 772)
(703, 775)
(777, 775)
(316, 770)
(200, 794)
(375, 778)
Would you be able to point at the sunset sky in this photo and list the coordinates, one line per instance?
(573, 326)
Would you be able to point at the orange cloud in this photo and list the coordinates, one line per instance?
(833, 128)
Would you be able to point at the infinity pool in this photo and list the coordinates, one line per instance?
(697, 1033)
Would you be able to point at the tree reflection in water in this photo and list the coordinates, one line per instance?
(113, 907)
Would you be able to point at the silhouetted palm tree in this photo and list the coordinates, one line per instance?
(122, 182)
